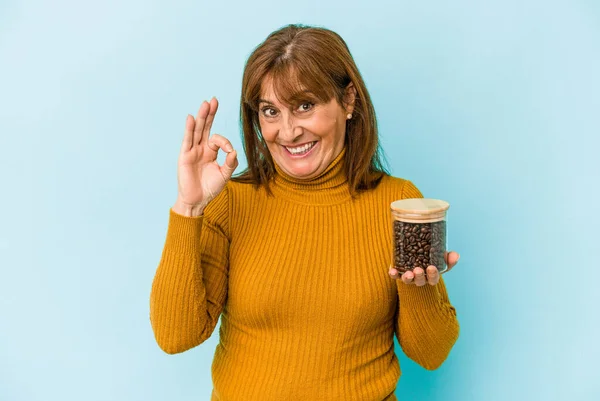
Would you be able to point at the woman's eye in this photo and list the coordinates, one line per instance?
(305, 106)
(269, 112)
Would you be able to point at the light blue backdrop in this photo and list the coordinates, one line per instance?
(491, 105)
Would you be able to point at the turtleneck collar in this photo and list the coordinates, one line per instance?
(328, 188)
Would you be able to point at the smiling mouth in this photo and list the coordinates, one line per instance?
(301, 150)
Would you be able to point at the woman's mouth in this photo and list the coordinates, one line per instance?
(301, 150)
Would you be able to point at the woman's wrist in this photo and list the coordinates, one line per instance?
(188, 210)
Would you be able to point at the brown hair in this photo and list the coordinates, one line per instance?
(298, 58)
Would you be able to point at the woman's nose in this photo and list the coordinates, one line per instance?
(289, 130)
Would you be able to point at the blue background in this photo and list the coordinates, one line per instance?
(491, 105)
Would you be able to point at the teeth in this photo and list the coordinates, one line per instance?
(300, 149)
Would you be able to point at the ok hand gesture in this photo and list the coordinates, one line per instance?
(199, 176)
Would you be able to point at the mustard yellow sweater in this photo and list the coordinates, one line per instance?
(300, 281)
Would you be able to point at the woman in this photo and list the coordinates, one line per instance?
(293, 254)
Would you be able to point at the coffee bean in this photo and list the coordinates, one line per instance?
(419, 245)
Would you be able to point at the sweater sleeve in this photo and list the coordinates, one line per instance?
(426, 325)
(190, 284)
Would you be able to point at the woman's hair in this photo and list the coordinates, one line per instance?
(299, 58)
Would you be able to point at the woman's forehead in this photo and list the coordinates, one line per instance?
(280, 89)
(287, 91)
(270, 96)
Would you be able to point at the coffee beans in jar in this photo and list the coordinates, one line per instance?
(419, 234)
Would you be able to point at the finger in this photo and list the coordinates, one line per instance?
(451, 260)
(433, 276)
(188, 133)
(408, 277)
(394, 273)
(419, 276)
(200, 121)
(231, 163)
(217, 141)
(213, 106)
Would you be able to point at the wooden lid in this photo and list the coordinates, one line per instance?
(419, 209)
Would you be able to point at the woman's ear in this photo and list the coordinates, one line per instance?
(349, 98)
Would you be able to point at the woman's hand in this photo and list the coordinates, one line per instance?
(420, 277)
(199, 176)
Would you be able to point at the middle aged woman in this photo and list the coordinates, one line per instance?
(294, 253)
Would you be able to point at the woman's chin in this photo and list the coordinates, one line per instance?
(297, 167)
(302, 173)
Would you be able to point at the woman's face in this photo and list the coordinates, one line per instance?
(302, 139)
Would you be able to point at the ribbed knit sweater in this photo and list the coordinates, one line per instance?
(300, 281)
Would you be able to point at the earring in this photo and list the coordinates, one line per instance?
(349, 116)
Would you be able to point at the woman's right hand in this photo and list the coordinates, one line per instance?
(199, 177)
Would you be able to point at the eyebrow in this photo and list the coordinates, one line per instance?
(295, 95)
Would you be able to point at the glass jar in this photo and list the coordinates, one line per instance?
(419, 234)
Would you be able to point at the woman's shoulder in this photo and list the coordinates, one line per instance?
(242, 190)
(393, 181)
(236, 197)
(234, 191)
(398, 187)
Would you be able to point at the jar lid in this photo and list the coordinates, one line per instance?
(420, 206)
(419, 210)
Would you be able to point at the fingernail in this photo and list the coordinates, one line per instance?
(457, 259)
(229, 148)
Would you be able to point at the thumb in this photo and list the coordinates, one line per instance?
(231, 163)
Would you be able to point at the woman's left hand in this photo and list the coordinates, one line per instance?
(420, 277)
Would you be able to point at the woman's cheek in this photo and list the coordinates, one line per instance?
(314, 125)
(268, 131)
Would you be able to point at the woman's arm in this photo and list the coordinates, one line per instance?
(190, 285)
(426, 324)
